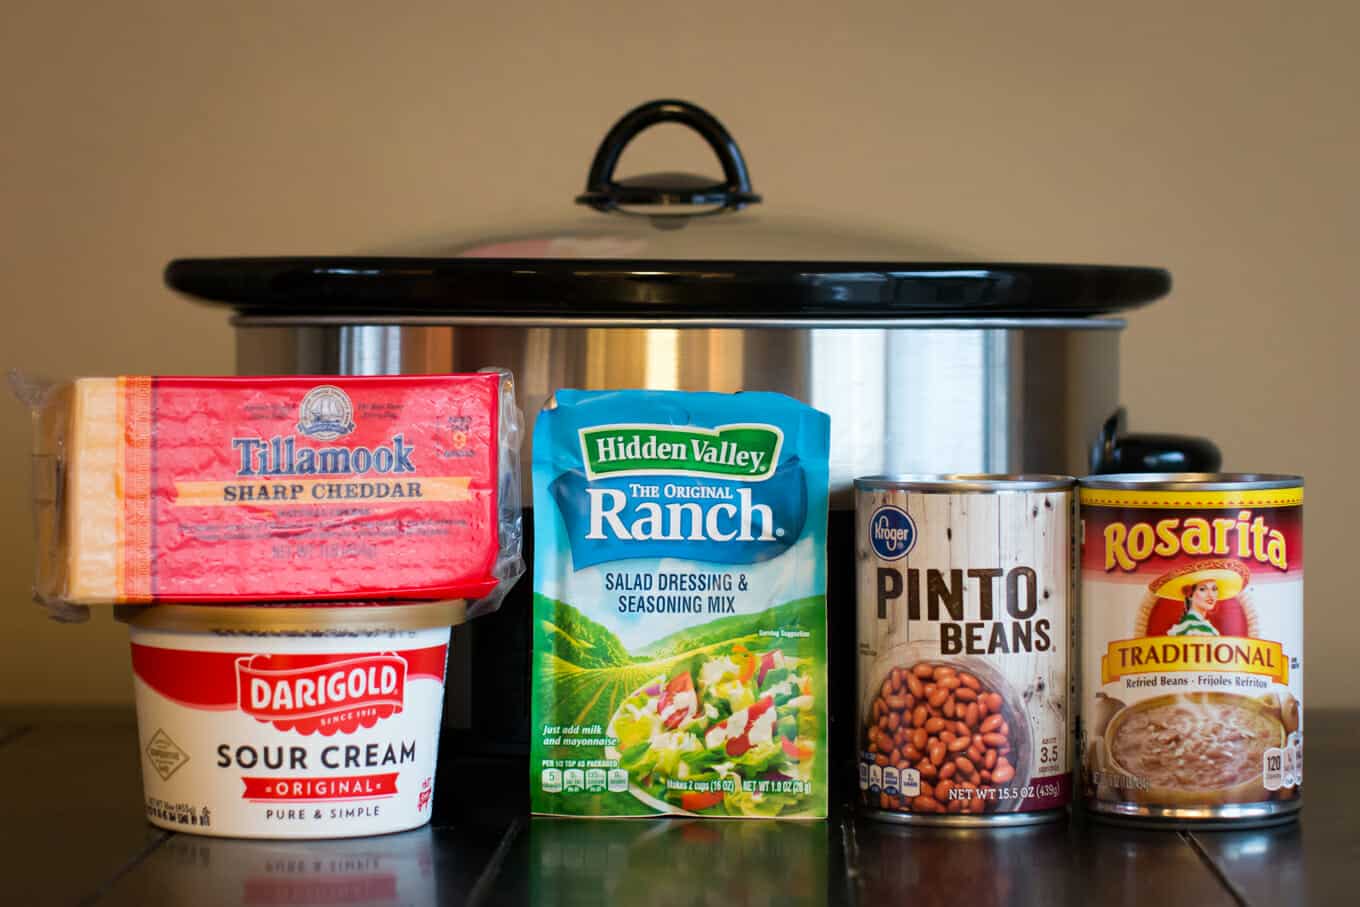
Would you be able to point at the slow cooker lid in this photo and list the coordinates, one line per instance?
(603, 288)
(670, 245)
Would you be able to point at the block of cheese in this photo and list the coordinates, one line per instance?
(278, 489)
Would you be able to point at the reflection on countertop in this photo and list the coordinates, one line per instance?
(675, 862)
(77, 834)
(975, 866)
(395, 869)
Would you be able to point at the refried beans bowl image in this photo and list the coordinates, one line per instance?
(1193, 749)
(905, 658)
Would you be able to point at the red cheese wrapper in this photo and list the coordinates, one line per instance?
(278, 489)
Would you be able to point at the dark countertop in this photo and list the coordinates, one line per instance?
(75, 834)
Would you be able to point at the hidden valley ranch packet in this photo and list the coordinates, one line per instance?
(679, 605)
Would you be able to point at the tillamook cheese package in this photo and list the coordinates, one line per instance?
(679, 606)
(277, 489)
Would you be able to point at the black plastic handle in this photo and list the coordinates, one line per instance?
(603, 193)
(1117, 451)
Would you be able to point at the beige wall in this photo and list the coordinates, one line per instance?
(1217, 139)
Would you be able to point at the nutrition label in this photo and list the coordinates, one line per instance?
(555, 780)
(889, 780)
(1282, 767)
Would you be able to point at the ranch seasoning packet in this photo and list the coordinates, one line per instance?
(679, 605)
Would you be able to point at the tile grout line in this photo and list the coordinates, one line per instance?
(1233, 891)
(850, 857)
(126, 868)
(481, 890)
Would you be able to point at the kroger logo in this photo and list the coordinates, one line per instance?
(891, 532)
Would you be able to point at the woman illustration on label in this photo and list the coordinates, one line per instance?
(1203, 598)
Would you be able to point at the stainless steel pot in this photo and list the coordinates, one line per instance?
(924, 367)
(922, 396)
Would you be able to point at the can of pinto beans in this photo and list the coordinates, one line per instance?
(1192, 648)
(965, 591)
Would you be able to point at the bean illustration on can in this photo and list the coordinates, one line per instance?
(965, 586)
(1192, 637)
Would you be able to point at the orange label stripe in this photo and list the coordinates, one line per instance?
(1179, 654)
(331, 490)
(1275, 497)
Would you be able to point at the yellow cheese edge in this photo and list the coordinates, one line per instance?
(94, 455)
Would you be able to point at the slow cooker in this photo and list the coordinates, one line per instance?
(676, 280)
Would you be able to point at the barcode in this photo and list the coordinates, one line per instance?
(180, 814)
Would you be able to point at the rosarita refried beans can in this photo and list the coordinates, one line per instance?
(965, 590)
(1192, 648)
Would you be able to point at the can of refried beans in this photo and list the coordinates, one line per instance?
(1192, 648)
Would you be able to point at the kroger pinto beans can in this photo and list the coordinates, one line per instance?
(1192, 648)
(964, 610)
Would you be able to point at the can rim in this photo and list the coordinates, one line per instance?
(967, 482)
(963, 823)
(293, 618)
(1193, 481)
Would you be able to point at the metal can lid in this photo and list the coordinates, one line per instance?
(952, 482)
(293, 618)
(1192, 481)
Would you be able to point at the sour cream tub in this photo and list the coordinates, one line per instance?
(289, 722)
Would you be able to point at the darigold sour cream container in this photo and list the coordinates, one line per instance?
(287, 721)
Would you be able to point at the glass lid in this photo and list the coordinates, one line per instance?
(670, 246)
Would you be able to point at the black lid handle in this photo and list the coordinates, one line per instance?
(1117, 451)
(603, 193)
